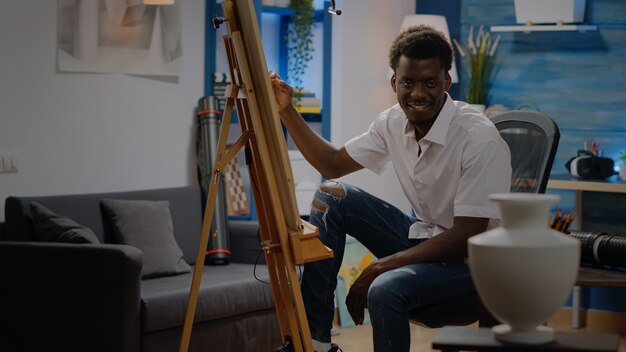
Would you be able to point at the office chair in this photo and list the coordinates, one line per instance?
(533, 138)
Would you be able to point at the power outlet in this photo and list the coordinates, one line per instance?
(8, 162)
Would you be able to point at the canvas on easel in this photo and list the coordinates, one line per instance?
(286, 239)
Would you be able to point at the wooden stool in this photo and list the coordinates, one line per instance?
(452, 338)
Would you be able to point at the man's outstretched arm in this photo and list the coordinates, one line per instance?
(330, 161)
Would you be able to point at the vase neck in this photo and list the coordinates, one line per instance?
(524, 215)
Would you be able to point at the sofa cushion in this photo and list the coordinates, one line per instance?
(225, 291)
(52, 227)
(148, 226)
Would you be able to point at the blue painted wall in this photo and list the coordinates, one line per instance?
(579, 79)
(451, 9)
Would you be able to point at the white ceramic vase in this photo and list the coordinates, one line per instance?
(523, 270)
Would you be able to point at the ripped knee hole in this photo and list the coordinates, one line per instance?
(319, 205)
(333, 188)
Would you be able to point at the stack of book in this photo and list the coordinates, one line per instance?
(308, 103)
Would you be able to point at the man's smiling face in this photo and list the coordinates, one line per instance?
(420, 85)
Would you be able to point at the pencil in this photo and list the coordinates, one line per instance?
(555, 221)
(568, 221)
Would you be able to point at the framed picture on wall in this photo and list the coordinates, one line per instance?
(119, 36)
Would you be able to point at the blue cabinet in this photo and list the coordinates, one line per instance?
(284, 17)
(321, 16)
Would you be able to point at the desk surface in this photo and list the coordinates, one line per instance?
(564, 181)
(588, 276)
(452, 338)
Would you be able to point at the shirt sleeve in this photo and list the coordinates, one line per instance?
(370, 148)
(486, 170)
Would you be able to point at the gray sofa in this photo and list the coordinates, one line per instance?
(91, 297)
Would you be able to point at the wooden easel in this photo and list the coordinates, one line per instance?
(286, 239)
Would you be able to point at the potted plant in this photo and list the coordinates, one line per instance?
(479, 56)
(299, 42)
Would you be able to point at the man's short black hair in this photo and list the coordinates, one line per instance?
(421, 42)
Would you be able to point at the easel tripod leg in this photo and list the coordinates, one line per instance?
(207, 222)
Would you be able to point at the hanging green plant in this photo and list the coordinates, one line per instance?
(299, 44)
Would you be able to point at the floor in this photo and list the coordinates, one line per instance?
(359, 339)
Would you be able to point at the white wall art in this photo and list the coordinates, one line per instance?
(119, 36)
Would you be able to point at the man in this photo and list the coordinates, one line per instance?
(448, 158)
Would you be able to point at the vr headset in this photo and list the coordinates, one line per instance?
(589, 166)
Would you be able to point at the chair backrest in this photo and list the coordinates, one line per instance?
(533, 138)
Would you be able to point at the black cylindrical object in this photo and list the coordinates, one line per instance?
(218, 249)
(602, 249)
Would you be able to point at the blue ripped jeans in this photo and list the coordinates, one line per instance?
(339, 209)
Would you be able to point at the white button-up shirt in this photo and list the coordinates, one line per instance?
(463, 159)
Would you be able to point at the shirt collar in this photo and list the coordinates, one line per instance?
(439, 130)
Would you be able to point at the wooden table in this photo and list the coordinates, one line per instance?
(563, 181)
(588, 276)
(453, 338)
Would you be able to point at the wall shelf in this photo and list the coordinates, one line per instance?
(544, 28)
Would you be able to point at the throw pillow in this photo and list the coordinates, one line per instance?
(148, 226)
(52, 227)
